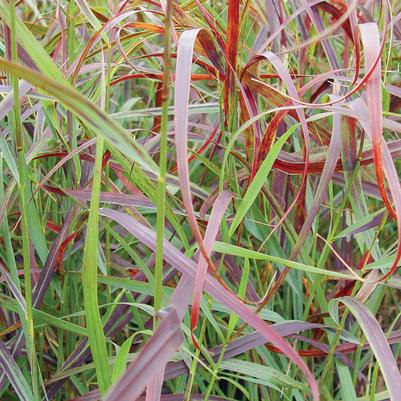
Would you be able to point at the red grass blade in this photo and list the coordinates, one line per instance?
(371, 43)
(181, 99)
(218, 211)
(233, 29)
(381, 154)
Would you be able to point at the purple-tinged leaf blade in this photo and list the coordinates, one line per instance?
(153, 357)
(378, 343)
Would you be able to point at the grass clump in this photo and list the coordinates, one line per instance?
(200, 200)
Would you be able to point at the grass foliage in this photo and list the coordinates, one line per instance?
(200, 200)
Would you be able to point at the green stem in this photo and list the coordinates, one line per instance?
(161, 188)
(22, 169)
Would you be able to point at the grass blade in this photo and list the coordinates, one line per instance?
(88, 112)
(14, 374)
(186, 266)
(94, 324)
(155, 354)
(378, 343)
(259, 180)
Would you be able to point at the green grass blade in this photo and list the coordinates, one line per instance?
(86, 111)
(234, 250)
(260, 178)
(96, 336)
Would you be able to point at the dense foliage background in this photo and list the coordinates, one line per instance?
(200, 200)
